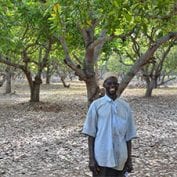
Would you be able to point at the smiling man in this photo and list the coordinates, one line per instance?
(110, 128)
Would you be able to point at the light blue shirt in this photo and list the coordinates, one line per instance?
(112, 125)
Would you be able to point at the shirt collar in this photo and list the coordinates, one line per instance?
(107, 98)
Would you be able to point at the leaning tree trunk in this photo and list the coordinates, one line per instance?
(144, 60)
(64, 83)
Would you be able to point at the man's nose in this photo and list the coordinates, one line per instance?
(113, 84)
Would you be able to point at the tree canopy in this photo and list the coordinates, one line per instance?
(82, 33)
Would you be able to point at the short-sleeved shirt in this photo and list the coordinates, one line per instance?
(111, 124)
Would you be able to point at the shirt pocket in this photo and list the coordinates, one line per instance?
(119, 126)
(104, 112)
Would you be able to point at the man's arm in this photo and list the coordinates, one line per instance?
(92, 161)
(128, 164)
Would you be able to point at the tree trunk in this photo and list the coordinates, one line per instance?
(48, 75)
(93, 90)
(150, 86)
(144, 60)
(8, 80)
(34, 86)
(35, 90)
(3, 79)
(64, 83)
(47, 79)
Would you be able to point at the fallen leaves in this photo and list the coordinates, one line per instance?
(45, 140)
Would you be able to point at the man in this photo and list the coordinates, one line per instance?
(110, 128)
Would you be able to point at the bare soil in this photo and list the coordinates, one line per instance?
(45, 140)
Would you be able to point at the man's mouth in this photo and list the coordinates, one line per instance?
(112, 89)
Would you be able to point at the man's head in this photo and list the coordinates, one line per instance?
(111, 85)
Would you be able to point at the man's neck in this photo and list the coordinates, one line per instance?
(113, 97)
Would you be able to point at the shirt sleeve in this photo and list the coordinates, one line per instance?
(90, 124)
(131, 128)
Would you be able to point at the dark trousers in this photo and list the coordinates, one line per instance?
(109, 172)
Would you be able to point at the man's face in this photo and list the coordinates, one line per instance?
(111, 86)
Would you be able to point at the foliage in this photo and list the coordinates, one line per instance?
(170, 65)
(61, 17)
(28, 25)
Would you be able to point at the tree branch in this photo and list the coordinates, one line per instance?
(78, 71)
(144, 59)
(8, 62)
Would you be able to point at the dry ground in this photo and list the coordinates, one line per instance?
(45, 140)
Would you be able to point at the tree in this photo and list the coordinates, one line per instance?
(93, 29)
(151, 71)
(31, 42)
(155, 24)
(144, 59)
(82, 28)
(99, 22)
(57, 67)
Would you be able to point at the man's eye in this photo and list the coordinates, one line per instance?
(112, 83)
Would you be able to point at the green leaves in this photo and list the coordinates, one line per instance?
(25, 21)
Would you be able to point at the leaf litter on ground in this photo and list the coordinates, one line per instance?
(45, 140)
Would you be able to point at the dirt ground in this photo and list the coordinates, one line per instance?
(45, 140)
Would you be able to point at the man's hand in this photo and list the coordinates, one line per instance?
(128, 166)
(92, 162)
(94, 167)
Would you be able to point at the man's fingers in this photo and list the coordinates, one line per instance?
(129, 169)
(95, 169)
(98, 169)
